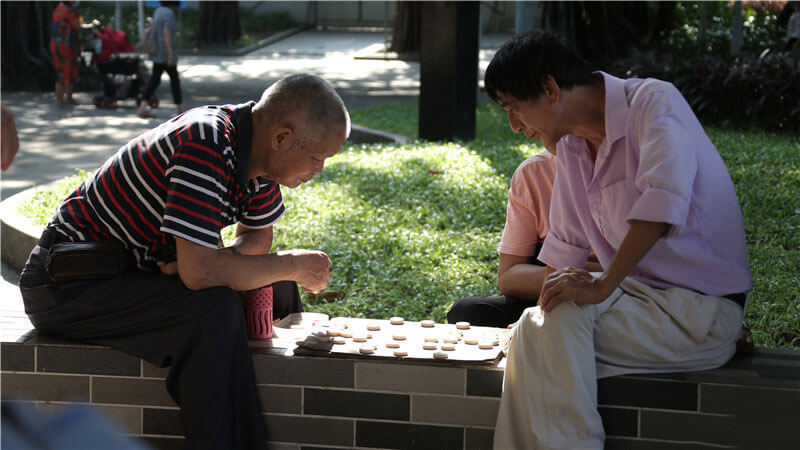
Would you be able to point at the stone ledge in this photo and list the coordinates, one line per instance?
(352, 403)
(18, 234)
(362, 135)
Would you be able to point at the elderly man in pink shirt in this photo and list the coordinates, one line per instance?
(640, 183)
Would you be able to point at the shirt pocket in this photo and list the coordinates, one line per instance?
(616, 202)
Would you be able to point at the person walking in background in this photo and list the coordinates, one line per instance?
(165, 59)
(64, 49)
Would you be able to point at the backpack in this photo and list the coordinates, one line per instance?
(148, 44)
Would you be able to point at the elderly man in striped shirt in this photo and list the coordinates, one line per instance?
(132, 260)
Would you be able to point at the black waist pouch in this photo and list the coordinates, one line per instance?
(70, 261)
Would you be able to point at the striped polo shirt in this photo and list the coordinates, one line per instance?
(186, 178)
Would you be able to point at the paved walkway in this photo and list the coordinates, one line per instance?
(55, 142)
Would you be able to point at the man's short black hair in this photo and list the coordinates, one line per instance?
(521, 65)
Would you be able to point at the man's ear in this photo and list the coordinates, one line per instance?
(551, 89)
(282, 138)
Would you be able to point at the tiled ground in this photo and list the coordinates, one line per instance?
(13, 321)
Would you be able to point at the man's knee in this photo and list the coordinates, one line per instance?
(565, 316)
(462, 311)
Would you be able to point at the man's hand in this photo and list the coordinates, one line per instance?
(170, 268)
(570, 284)
(313, 268)
(579, 286)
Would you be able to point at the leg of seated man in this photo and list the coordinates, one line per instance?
(285, 299)
(550, 388)
(201, 334)
(488, 310)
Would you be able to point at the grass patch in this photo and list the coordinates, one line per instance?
(411, 228)
(46, 199)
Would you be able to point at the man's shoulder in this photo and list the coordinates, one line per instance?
(640, 90)
(536, 168)
(212, 116)
(163, 13)
(210, 126)
(544, 161)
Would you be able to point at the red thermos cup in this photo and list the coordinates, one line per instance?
(258, 309)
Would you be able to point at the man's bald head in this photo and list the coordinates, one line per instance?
(306, 104)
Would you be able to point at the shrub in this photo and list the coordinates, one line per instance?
(760, 29)
(748, 91)
(759, 88)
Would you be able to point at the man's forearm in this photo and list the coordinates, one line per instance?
(522, 281)
(201, 267)
(241, 272)
(641, 237)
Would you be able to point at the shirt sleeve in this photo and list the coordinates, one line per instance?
(566, 245)
(265, 207)
(197, 187)
(528, 206)
(667, 163)
(170, 22)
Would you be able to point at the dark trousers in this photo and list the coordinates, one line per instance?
(200, 334)
(155, 80)
(489, 310)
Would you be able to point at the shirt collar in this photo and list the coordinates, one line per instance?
(242, 119)
(616, 108)
(616, 118)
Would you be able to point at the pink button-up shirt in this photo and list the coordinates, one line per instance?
(656, 164)
(527, 213)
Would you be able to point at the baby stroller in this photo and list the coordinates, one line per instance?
(124, 72)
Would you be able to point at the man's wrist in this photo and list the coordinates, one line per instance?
(606, 285)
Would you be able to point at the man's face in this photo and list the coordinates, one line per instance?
(534, 118)
(302, 161)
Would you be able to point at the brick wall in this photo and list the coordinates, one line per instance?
(313, 402)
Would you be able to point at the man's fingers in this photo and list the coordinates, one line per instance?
(555, 297)
(548, 294)
(170, 268)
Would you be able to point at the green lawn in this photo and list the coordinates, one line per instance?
(412, 228)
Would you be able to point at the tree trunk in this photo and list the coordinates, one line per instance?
(736, 31)
(406, 33)
(218, 24)
(703, 24)
(26, 62)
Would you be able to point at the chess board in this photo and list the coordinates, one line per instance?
(315, 334)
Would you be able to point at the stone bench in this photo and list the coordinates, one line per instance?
(312, 402)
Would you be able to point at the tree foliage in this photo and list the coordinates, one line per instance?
(605, 31)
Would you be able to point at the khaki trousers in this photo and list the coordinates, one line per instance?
(549, 398)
